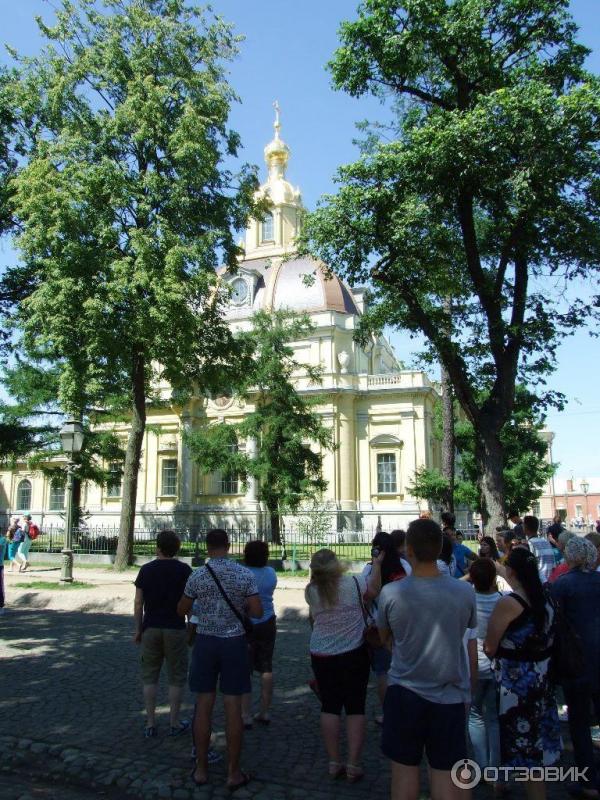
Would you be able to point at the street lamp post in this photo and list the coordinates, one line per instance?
(71, 437)
(585, 488)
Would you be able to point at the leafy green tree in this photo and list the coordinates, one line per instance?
(525, 471)
(283, 423)
(126, 207)
(484, 191)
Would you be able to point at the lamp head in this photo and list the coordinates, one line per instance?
(71, 437)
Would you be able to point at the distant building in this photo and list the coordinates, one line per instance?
(381, 415)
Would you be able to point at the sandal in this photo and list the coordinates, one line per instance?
(354, 774)
(261, 719)
(336, 770)
(183, 726)
(233, 787)
(150, 732)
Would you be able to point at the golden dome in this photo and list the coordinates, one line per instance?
(277, 152)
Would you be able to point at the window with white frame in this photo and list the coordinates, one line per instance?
(267, 229)
(230, 481)
(24, 495)
(386, 473)
(113, 485)
(578, 511)
(56, 499)
(168, 481)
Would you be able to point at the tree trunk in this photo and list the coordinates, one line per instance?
(448, 440)
(275, 526)
(490, 463)
(131, 467)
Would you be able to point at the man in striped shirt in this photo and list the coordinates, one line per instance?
(539, 546)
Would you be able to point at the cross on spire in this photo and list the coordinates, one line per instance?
(277, 124)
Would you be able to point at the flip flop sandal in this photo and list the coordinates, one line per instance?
(184, 726)
(235, 786)
(150, 732)
(261, 720)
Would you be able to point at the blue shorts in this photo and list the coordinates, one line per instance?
(215, 656)
(412, 725)
(381, 661)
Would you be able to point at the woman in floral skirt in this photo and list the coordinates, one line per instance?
(520, 636)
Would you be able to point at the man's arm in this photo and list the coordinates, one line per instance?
(385, 633)
(184, 606)
(138, 613)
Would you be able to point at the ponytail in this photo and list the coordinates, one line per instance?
(524, 565)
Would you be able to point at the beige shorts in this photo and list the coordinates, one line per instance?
(164, 644)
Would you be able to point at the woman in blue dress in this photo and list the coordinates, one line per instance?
(519, 638)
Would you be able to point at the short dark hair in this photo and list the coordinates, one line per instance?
(513, 513)
(447, 549)
(594, 538)
(425, 538)
(448, 519)
(256, 553)
(217, 539)
(531, 523)
(482, 572)
(168, 543)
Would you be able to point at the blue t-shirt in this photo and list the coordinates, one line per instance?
(461, 553)
(266, 579)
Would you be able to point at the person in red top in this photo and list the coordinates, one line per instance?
(563, 567)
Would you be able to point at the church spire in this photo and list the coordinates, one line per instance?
(277, 153)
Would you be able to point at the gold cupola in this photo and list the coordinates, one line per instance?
(274, 235)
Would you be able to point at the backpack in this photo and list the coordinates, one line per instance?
(34, 531)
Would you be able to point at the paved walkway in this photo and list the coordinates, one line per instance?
(70, 694)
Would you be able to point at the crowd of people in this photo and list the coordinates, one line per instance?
(463, 646)
(15, 544)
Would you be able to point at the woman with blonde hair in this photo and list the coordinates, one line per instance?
(339, 656)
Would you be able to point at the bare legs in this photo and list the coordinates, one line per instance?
(355, 732)
(150, 691)
(405, 784)
(175, 695)
(202, 734)
(234, 728)
(266, 696)
(233, 733)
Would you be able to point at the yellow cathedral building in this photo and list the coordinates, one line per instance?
(381, 415)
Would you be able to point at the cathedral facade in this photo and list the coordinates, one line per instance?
(381, 415)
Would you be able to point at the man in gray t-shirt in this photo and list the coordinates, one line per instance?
(424, 617)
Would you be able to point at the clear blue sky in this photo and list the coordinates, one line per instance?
(283, 57)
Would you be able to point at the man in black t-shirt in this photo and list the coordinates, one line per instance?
(160, 630)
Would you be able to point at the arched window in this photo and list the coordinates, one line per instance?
(267, 229)
(57, 496)
(24, 495)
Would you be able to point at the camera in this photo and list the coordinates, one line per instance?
(375, 551)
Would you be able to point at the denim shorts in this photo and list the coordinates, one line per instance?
(215, 657)
(412, 724)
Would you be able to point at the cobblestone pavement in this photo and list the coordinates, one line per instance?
(31, 787)
(70, 699)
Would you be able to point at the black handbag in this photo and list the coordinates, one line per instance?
(243, 618)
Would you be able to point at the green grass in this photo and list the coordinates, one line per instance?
(51, 585)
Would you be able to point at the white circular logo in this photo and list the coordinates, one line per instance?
(465, 774)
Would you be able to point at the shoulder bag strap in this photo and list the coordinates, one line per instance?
(366, 616)
(224, 593)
